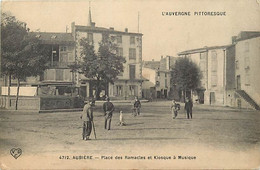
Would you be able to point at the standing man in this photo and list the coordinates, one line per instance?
(188, 107)
(108, 108)
(87, 117)
(137, 106)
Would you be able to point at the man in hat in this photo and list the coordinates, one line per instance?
(188, 107)
(137, 106)
(108, 108)
(87, 117)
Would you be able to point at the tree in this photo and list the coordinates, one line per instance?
(103, 66)
(185, 75)
(22, 55)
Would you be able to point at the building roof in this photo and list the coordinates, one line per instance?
(54, 37)
(151, 64)
(102, 29)
(167, 63)
(244, 35)
(204, 49)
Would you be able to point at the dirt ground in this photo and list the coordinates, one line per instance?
(216, 137)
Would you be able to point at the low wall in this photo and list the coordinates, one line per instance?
(41, 102)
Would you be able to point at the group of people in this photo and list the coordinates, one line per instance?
(108, 108)
(175, 107)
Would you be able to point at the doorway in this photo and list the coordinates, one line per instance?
(212, 98)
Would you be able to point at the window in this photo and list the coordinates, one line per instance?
(119, 90)
(132, 53)
(214, 62)
(237, 64)
(132, 71)
(63, 48)
(165, 75)
(165, 81)
(214, 79)
(70, 48)
(119, 39)
(132, 40)
(90, 37)
(132, 90)
(158, 74)
(120, 52)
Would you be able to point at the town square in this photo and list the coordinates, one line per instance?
(130, 84)
(213, 135)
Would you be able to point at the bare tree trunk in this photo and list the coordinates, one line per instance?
(18, 88)
(184, 95)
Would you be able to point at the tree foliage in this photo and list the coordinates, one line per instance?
(101, 67)
(22, 55)
(185, 75)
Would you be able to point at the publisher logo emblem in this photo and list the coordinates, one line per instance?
(16, 152)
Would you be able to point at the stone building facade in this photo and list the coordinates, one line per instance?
(212, 62)
(129, 83)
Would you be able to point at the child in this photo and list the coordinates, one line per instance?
(121, 119)
(175, 107)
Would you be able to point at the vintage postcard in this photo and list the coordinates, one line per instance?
(137, 84)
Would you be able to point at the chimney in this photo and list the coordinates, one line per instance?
(162, 57)
(111, 28)
(233, 39)
(126, 29)
(93, 24)
(152, 59)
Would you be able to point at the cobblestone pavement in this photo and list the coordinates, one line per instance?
(218, 137)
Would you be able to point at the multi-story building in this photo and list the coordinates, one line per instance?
(58, 76)
(41, 92)
(247, 67)
(129, 83)
(158, 74)
(59, 80)
(216, 65)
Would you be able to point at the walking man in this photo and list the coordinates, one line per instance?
(188, 107)
(87, 117)
(108, 108)
(137, 106)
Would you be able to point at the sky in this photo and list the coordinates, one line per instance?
(162, 35)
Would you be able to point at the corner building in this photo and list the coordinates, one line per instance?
(129, 82)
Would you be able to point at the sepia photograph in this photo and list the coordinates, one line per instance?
(136, 84)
